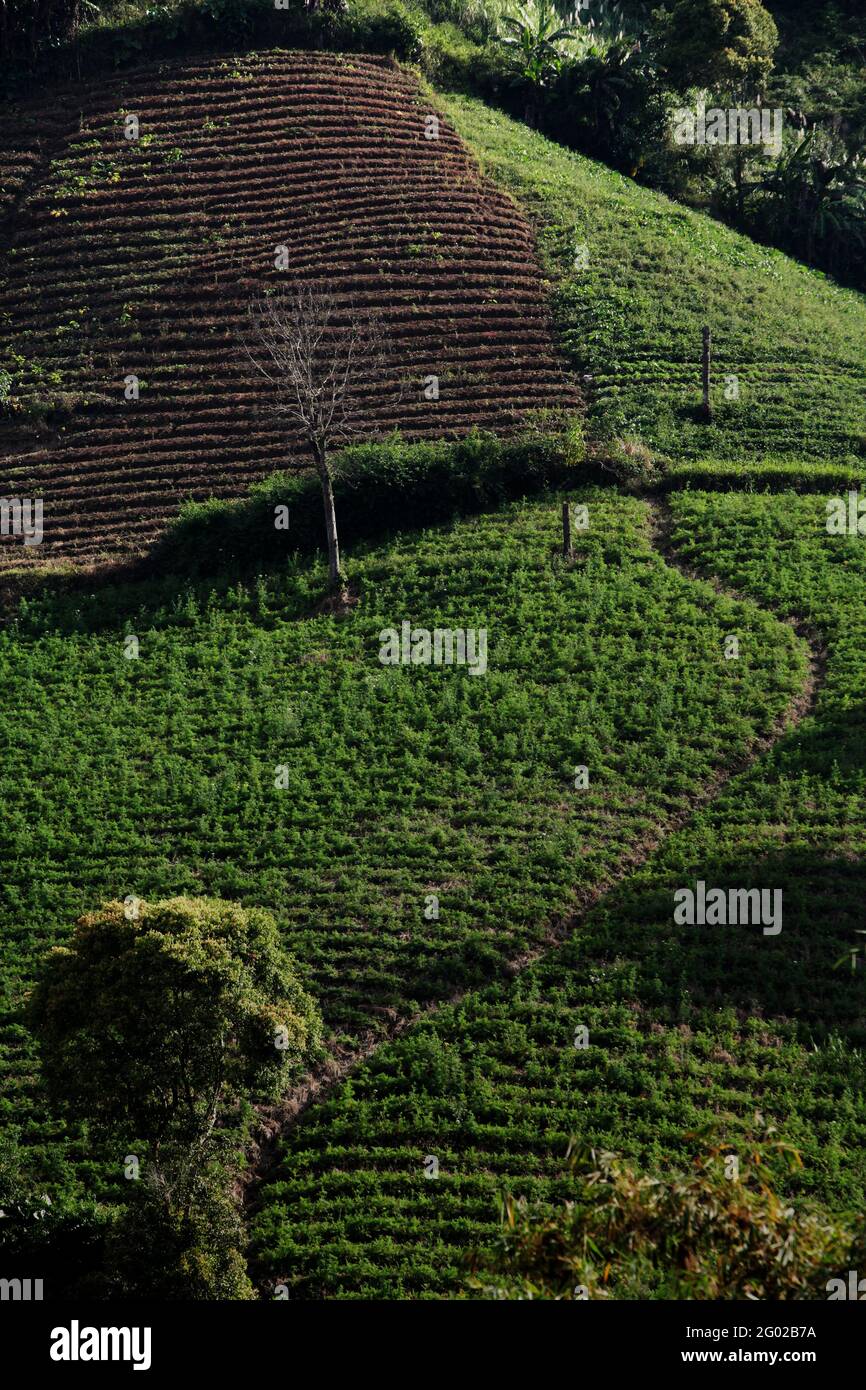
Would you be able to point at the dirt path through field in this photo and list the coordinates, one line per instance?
(277, 1122)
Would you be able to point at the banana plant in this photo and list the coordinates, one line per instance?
(820, 190)
(535, 38)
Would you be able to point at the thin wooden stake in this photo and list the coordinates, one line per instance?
(567, 552)
(705, 372)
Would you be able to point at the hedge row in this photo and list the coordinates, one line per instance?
(379, 489)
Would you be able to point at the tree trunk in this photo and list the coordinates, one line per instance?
(334, 571)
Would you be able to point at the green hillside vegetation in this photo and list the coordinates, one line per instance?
(395, 782)
(472, 870)
(656, 273)
(718, 1030)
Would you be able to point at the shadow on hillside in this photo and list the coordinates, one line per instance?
(382, 492)
(811, 973)
(829, 744)
(152, 594)
(806, 973)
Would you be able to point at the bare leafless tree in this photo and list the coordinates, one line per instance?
(323, 361)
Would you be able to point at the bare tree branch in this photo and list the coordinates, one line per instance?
(322, 361)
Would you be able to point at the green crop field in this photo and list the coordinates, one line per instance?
(589, 650)
(398, 782)
(690, 1029)
(649, 275)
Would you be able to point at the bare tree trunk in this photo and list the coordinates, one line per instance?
(313, 362)
(334, 572)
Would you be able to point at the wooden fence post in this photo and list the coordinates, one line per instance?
(705, 373)
(567, 552)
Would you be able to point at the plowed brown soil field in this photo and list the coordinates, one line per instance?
(138, 258)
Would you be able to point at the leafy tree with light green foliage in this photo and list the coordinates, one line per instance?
(157, 1016)
(153, 1021)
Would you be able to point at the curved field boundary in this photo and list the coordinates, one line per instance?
(661, 527)
(139, 257)
(277, 1122)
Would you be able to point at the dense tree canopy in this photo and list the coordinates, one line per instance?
(720, 44)
(156, 1015)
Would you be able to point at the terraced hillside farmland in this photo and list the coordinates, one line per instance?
(691, 1029)
(473, 861)
(137, 257)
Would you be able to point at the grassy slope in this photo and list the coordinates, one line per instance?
(402, 781)
(656, 273)
(689, 1027)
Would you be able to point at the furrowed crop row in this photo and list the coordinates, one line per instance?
(326, 157)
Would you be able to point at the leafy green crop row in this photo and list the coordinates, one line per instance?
(695, 1028)
(254, 752)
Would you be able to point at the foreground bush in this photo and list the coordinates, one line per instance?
(700, 1235)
